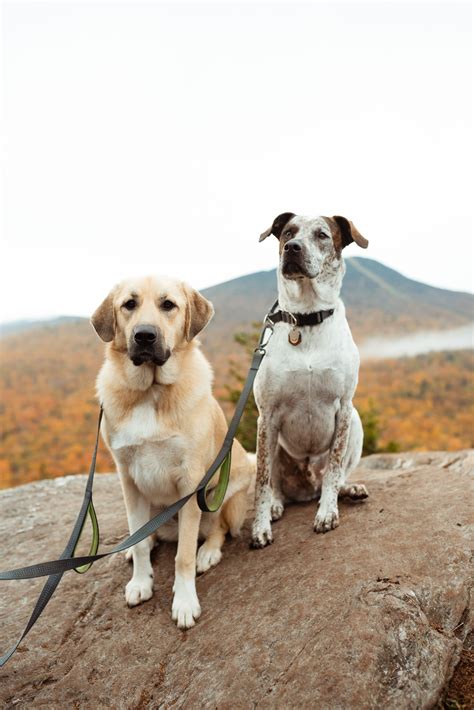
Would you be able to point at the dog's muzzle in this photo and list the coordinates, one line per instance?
(148, 345)
(294, 261)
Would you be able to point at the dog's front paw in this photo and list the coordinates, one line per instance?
(139, 590)
(186, 608)
(324, 522)
(207, 557)
(261, 536)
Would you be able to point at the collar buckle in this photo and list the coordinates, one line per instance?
(289, 318)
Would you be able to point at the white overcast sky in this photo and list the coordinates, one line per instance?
(152, 137)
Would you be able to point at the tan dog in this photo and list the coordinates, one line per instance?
(164, 428)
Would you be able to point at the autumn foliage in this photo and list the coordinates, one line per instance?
(424, 403)
(48, 409)
(421, 403)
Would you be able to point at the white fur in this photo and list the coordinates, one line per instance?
(140, 426)
(186, 608)
(139, 589)
(304, 392)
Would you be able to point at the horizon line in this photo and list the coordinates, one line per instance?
(51, 316)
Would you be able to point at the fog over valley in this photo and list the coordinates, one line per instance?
(461, 338)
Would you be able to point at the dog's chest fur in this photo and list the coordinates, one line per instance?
(150, 431)
(153, 453)
(303, 385)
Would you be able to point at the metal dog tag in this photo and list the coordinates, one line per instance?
(294, 336)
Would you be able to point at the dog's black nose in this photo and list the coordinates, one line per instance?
(292, 246)
(144, 334)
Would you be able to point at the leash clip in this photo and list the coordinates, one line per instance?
(267, 320)
(261, 347)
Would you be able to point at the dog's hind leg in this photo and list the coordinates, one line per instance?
(215, 526)
(355, 491)
(235, 510)
(210, 553)
(278, 498)
(334, 474)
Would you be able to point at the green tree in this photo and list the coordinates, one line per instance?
(372, 432)
(247, 432)
(371, 425)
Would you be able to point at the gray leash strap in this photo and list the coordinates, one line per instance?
(55, 569)
(53, 581)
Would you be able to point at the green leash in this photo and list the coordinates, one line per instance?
(217, 494)
(208, 500)
(95, 538)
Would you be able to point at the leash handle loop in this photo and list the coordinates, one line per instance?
(214, 499)
(95, 538)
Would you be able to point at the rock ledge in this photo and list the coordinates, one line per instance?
(373, 614)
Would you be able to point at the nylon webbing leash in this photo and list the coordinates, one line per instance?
(53, 581)
(208, 502)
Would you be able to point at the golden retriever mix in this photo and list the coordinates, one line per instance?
(164, 428)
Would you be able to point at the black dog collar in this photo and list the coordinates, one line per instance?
(299, 319)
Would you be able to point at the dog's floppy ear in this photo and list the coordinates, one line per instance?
(277, 226)
(349, 233)
(103, 319)
(199, 312)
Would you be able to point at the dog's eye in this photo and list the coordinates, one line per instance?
(168, 305)
(288, 233)
(130, 304)
(321, 235)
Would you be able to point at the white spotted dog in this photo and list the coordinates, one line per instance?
(309, 433)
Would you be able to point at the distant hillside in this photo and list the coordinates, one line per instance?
(379, 302)
(371, 288)
(47, 402)
(20, 326)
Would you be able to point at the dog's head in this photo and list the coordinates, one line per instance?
(307, 243)
(151, 317)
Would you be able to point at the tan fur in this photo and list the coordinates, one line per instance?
(164, 429)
